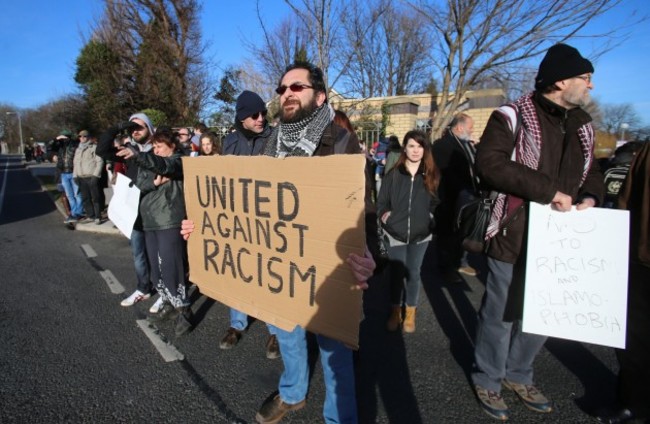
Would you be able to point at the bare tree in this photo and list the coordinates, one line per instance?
(615, 115)
(314, 32)
(321, 17)
(389, 49)
(480, 40)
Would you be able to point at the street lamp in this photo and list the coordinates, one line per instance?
(20, 131)
(624, 126)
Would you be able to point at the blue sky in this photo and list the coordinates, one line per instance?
(40, 40)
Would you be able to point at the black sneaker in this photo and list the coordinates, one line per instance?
(183, 321)
(166, 313)
(274, 409)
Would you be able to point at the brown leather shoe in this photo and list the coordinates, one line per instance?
(272, 347)
(274, 409)
(230, 339)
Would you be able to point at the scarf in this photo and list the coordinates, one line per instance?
(299, 138)
(528, 145)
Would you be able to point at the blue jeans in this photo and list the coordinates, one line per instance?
(239, 321)
(338, 373)
(502, 349)
(405, 265)
(72, 193)
(139, 251)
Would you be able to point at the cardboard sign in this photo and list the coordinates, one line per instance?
(123, 208)
(272, 235)
(576, 274)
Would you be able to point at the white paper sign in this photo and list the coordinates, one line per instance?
(123, 209)
(576, 274)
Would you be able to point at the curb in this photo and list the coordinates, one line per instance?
(106, 227)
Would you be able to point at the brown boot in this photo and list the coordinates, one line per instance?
(395, 319)
(409, 320)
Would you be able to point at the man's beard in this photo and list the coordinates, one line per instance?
(142, 139)
(577, 99)
(300, 113)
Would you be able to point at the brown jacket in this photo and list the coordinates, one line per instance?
(560, 168)
(635, 196)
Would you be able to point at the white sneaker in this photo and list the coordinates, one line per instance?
(136, 297)
(156, 306)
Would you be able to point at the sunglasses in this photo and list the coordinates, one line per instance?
(186, 134)
(296, 87)
(256, 115)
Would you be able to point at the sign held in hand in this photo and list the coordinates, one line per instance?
(576, 274)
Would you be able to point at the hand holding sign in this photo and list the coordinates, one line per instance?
(362, 267)
(187, 228)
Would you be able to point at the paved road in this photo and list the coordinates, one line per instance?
(70, 353)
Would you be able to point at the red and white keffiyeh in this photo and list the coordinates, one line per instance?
(527, 150)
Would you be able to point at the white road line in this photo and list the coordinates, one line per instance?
(89, 251)
(112, 282)
(4, 185)
(167, 350)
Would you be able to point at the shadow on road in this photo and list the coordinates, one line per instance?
(24, 189)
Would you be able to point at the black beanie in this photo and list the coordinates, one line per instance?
(561, 62)
(248, 103)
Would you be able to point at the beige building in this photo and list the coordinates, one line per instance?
(404, 113)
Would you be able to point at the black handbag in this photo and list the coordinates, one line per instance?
(472, 221)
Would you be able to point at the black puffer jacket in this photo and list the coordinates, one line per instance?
(245, 143)
(410, 204)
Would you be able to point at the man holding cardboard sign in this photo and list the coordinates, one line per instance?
(306, 129)
(540, 149)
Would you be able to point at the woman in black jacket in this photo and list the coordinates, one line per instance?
(406, 203)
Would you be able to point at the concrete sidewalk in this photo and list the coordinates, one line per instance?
(49, 169)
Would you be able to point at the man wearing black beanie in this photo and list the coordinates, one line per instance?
(248, 139)
(553, 143)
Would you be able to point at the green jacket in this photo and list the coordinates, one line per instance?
(161, 207)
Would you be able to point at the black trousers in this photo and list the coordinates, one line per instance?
(90, 196)
(167, 252)
(634, 361)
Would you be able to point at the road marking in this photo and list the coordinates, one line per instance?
(112, 282)
(89, 251)
(167, 350)
(4, 185)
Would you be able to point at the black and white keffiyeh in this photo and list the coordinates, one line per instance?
(299, 138)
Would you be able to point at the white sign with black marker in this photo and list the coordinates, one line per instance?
(576, 274)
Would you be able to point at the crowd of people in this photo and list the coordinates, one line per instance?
(538, 148)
